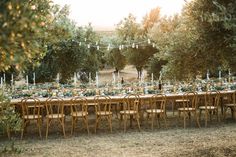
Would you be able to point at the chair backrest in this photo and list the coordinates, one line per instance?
(79, 104)
(212, 98)
(131, 102)
(190, 100)
(54, 105)
(31, 107)
(234, 97)
(157, 101)
(102, 104)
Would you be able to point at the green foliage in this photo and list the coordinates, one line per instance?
(116, 59)
(10, 149)
(22, 25)
(155, 66)
(129, 31)
(201, 38)
(68, 52)
(9, 119)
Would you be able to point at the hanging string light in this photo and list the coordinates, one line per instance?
(120, 47)
(100, 46)
(133, 45)
(153, 45)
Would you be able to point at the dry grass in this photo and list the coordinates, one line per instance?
(215, 140)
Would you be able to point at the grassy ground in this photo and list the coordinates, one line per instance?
(218, 139)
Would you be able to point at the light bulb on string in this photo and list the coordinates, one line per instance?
(153, 44)
(97, 47)
(85, 39)
(133, 45)
(122, 46)
(96, 43)
(108, 47)
(149, 42)
(80, 43)
(136, 46)
(88, 46)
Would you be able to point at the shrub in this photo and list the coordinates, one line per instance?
(9, 119)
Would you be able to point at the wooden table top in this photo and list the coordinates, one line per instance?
(119, 98)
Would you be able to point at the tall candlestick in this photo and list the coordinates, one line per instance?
(12, 81)
(27, 81)
(114, 78)
(118, 76)
(1, 82)
(75, 79)
(208, 74)
(58, 79)
(97, 79)
(89, 78)
(152, 78)
(219, 74)
(160, 77)
(34, 78)
(4, 78)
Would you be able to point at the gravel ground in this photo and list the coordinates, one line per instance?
(219, 139)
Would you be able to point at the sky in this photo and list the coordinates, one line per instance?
(108, 13)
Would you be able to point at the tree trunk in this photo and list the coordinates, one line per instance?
(116, 70)
(139, 70)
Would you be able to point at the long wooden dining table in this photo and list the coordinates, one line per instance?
(119, 98)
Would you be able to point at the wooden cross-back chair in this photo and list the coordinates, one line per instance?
(103, 110)
(31, 111)
(130, 109)
(55, 111)
(211, 106)
(231, 104)
(189, 107)
(79, 109)
(156, 108)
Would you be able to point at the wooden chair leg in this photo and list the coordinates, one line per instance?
(72, 125)
(96, 124)
(47, 128)
(39, 123)
(196, 119)
(158, 120)
(110, 122)
(125, 122)
(152, 117)
(86, 123)
(206, 117)
(137, 118)
(63, 127)
(22, 130)
(217, 114)
(225, 110)
(184, 119)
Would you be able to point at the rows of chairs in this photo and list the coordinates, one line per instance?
(154, 110)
